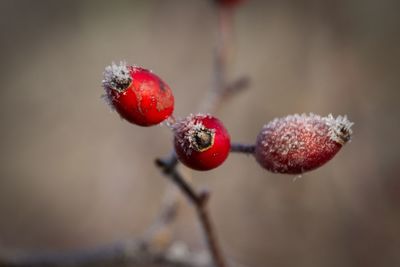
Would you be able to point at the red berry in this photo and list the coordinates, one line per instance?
(137, 94)
(201, 142)
(300, 143)
(228, 3)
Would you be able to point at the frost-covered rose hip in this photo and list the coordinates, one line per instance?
(201, 142)
(300, 143)
(137, 94)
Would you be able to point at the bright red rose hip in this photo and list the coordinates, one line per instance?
(137, 94)
(300, 143)
(201, 142)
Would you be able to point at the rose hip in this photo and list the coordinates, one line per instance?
(300, 143)
(201, 142)
(137, 94)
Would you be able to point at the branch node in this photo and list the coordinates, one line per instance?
(204, 196)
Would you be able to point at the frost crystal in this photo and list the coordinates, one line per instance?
(117, 77)
(339, 128)
(193, 135)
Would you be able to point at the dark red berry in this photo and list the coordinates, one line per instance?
(228, 3)
(201, 142)
(137, 94)
(300, 143)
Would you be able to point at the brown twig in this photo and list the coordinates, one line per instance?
(199, 200)
(224, 31)
(222, 89)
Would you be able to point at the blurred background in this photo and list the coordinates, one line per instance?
(73, 175)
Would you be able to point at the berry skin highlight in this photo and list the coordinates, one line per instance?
(299, 143)
(201, 142)
(137, 94)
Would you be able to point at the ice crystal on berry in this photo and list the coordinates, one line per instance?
(193, 135)
(339, 128)
(117, 77)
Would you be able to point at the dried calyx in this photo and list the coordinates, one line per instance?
(117, 77)
(202, 139)
(194, 135)
(339, 128)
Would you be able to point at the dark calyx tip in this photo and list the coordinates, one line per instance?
(203, 139)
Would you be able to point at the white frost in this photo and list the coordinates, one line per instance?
(339, 128)
(115, 75)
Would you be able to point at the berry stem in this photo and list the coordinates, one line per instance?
(171, 119)
(208, 227)
(199, 200)
(243, 148)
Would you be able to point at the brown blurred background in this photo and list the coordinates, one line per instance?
(73, 175)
